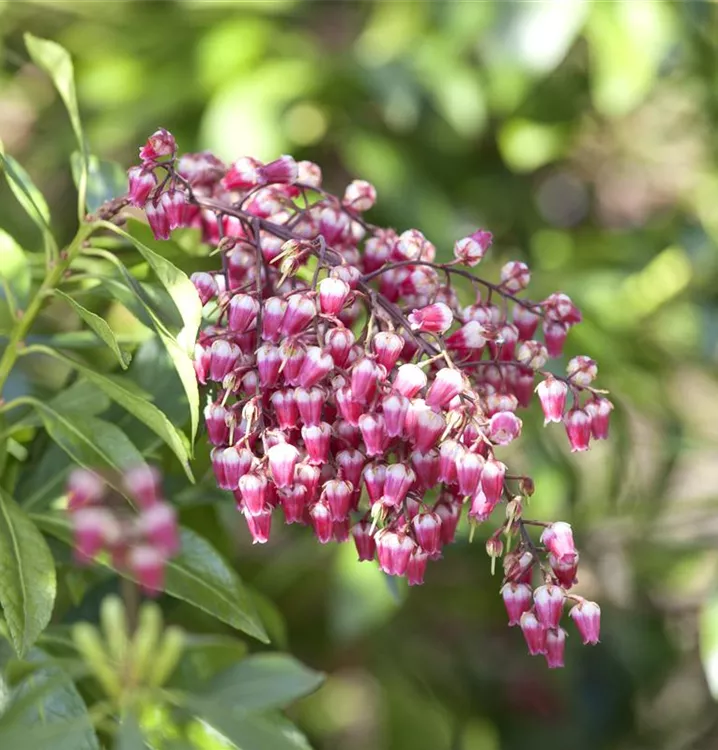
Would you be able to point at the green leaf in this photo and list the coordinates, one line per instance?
(14, 272)
(262, 682)
(105, 179)
(27, 576)
(176, 282)
(90, 442)
(245, 731)
(204, 656)
(29, 197)
(47, 712)
(129, 735)
(99, 326)
(57, 63)
(180, 358)
(137, 405)
(198, 575)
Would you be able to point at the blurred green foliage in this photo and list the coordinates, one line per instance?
(583, 135)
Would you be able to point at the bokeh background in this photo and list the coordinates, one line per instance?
(584, 135)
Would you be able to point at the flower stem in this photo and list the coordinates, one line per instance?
(27, 318)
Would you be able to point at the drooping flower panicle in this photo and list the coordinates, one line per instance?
(351, 392)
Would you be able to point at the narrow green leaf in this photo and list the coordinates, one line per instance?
(137, 405)
(198, 575)
(99, 326)
(262, 682)
(178, 354)
(15, 272)
(177, 284)
(246, 731)
(27, 576)
(90, 442)
(30, 198)
(57, 63)
(105, 179)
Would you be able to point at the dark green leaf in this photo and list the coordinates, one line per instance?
(136, 404)
(27, 576)
(99, 326)
(90, 442)
(262, 682)
(198, 575)
(105, 179)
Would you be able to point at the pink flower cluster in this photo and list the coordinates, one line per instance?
(538, 612)
(102, 521)
(349, 388)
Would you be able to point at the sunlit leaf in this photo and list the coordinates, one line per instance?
(57, 63)
(14, 273)
(27, 576)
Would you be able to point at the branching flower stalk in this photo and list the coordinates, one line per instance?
(350, 391)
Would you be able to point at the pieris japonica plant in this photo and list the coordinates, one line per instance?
(343, 381)
(349, 391)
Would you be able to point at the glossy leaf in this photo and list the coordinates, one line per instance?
(247, 731)
(198, 575)
(262, 682)
(27, 576)
(57, 63)
(136, 404)
(99, 326)
(204, 656)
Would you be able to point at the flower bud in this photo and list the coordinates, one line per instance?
(515, 276)
(435, 318)
(83, 488)
(449, 513)
(160, 143)
(587, 618)
(142, 182)
(338, 496)
(578, 428)
(158, 525)
(394, 551)
(272, 318)
(259, 524)
(373, 430)
(283, 170)
(365, 376)
(397, 483)
(364, 541)
(471, 250)
(333, 293)
(158, 220)
(416, 568)
(315, 367)
(147, 564)
(447, 383)
(294, 502)
(534, 633)
(409, 380)
(217, 418)
(244, 174)
(518, 599)
(599, 410)
(394, 408)
(548, 602)
(555, 647)
(582, 370)
(316, 441)
(339, 342)
(526, 321)
(468, 472)
(555, 336)
(143, 483)
(360, 196)
(253, 491)
(205, 285)
(282, 458)
(427, 531)
(552, 395)
(285, 408)
(175, 204)
(374, 478)
(223, 357)
(426, 467)
(321, 518)
(504, 427)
